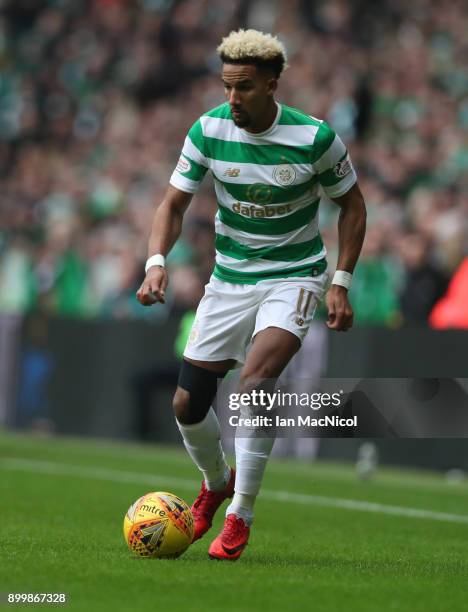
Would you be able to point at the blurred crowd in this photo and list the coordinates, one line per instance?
(96, 97)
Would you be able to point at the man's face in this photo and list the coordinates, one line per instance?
(248, 91)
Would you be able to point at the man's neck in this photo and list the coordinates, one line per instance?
(266, 121)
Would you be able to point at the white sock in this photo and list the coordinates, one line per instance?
(203, 443)
(251, 459)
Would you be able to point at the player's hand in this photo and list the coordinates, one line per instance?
(340, 313)
(154, 286)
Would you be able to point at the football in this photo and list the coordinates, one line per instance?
(158, 525)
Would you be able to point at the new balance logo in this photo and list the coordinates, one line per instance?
(232, 172)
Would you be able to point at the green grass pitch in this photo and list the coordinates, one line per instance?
(62, 505)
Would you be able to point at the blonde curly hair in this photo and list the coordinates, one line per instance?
(253, 47)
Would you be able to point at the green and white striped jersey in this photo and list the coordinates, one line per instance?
(267, 188)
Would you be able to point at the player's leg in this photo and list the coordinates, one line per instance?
(197, 421)
(223, 326)
(199, 427)
(271, 351)
(283, 318)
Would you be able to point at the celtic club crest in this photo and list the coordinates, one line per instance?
(284, 174)
(258, 193)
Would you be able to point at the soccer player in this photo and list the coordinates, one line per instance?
(269, 162)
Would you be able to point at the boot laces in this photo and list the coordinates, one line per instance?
(231, 529)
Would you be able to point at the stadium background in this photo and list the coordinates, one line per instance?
(95, 100)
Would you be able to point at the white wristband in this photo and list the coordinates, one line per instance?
(154, 260)
(342, 278)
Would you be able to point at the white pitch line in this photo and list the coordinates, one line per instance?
(60, 469)
(82, 471)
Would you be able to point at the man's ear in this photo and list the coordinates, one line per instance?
(272, 85)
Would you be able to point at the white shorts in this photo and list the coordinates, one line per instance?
(229, 315)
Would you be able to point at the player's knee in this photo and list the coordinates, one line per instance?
(195, 393)
(181, 406)
(260, 377)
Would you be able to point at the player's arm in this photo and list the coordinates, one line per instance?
(166, 228)
(338, 179)
(351, 232)
(167, 223)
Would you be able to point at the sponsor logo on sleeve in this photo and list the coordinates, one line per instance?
(183, 165)
(342, 168)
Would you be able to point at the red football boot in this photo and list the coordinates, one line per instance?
(206, 504)
(231, 541)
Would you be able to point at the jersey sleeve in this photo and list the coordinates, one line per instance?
(334, 167)
(192, 164)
